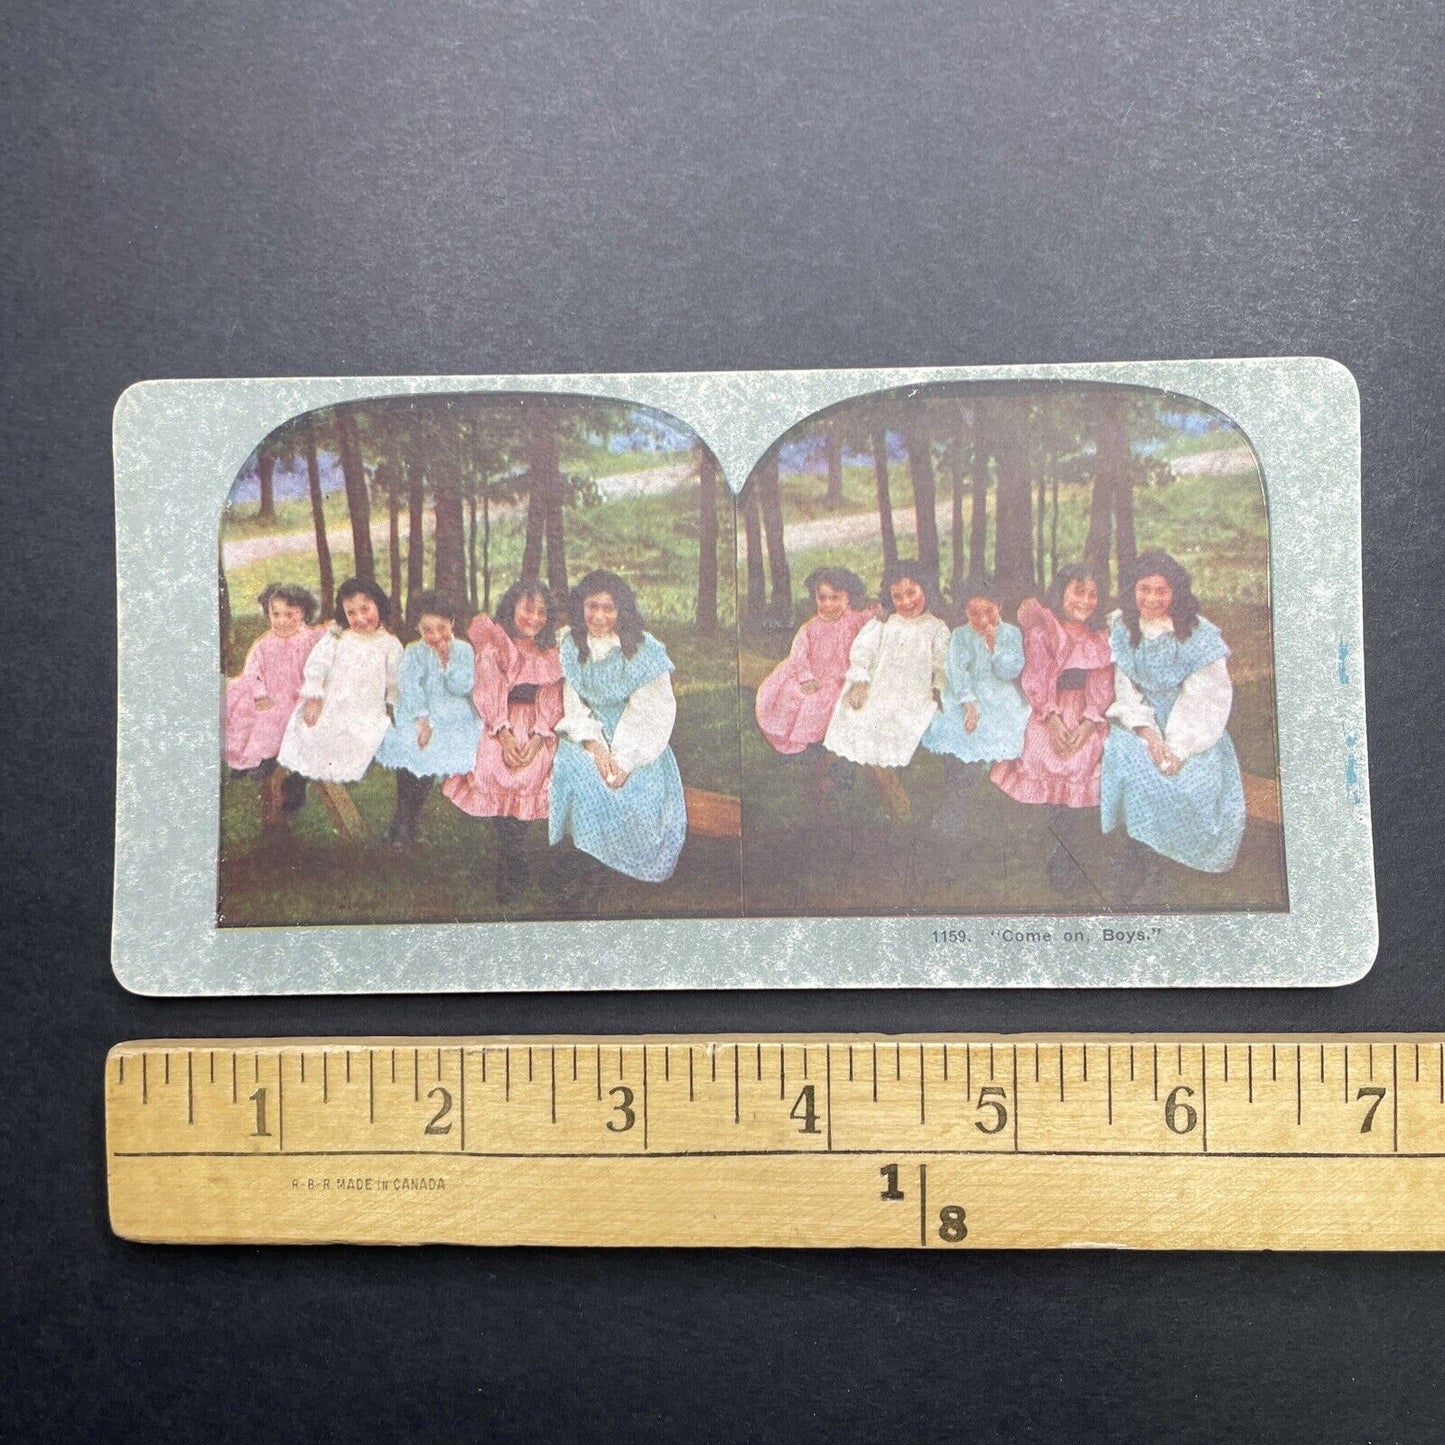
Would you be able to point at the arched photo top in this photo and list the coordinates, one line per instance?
(461, 527)
(998, 484)
(461, 492)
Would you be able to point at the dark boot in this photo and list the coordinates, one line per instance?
(953, 819)
(513, 871)
(1063, 869)
(1137, 878)
(293, 794)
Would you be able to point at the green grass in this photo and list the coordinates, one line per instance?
(243, 519)
(797, 860)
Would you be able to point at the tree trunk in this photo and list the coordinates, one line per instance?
(770, 503)
(1053, 527)
(486, 551)
(393, 534)
(541, 464)
(448, 539)
(707, 477)
(266, 475)
(753, 534)
(556, 545)
(919, 442)
(1040, 508)
(223, 602)
(958, 470)
(471, 550)
(318, 521)
(358, 500)
(1013, 545)
(1126, 546)
(1111, 475)
(885, 498)
(834, 437)
(978, 511)
(415, 536)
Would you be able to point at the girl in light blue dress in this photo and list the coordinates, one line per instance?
(435, 728)
(1170, 778)
(616, 790)
(984, 712)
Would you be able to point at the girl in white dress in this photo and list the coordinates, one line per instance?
(350, 682)
(895, 675)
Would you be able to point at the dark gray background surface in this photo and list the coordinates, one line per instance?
(272, 189)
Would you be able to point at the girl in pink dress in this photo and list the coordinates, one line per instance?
(260, 702)
(1068, 679)
(518, 695)
(796, 700)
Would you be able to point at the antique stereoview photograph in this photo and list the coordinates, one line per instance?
(943, 676)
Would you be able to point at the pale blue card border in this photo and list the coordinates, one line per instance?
(179, 446)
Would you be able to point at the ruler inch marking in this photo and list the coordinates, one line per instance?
(1015, 1100)
(1203, 1095)
(1303, 1177)
(1395, 1097)
(828, 1092)
(923, 1206)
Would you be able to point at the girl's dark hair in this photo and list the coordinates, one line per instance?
(913, 571)
(354, 587)
(293, 596)
(433, 604)
(1078, 572)
(840, 579)
(1183, 607)
(629, 619)
(505, 612)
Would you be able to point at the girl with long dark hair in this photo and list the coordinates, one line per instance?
(1068, 679)
(517, 691)
(616, 790)
(1170, 776)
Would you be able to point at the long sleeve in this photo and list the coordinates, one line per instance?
(411, 685)
(319, 664)
(393, 670)
(645, 726)
(863, 655)
(800, 656)
(489, 689)
(938, 645)
(958, 687)
(255, 671)
(1007, 657)
(1198, 717)
(459, 676)
(549, 709)
(1129, 708)
(1039, 676)
(577, 721)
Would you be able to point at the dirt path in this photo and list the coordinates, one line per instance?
(650, 483)
(857, 528)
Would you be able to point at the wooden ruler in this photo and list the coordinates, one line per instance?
(922, 1142)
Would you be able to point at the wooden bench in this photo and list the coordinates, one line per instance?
(720, 815)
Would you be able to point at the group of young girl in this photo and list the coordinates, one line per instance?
(520, 722)
(1107, 722)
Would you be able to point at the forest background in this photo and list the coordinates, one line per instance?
(467, 493)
